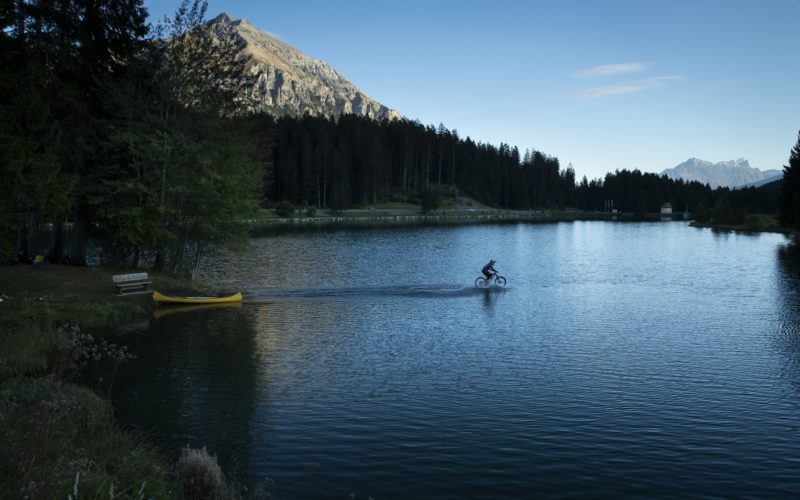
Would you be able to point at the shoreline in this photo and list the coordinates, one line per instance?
(61, 437)
(742, 228)
(483, 216)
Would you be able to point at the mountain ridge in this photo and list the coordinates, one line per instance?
(731, 174)
(281, 80)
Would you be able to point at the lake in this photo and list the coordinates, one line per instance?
(622, 359)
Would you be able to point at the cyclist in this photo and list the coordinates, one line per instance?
(489, 270)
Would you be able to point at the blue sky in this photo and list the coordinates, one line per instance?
(603, 85)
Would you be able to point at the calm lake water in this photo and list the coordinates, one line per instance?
(623, 359)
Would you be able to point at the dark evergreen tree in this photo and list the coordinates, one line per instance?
(790, 191)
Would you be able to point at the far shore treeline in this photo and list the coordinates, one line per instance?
(129, 134)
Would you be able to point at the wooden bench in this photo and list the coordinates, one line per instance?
(125, 283)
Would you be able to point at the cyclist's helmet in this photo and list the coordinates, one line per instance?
(491, 262)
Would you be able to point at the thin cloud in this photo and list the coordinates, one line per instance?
(630, 88)
(610, 69)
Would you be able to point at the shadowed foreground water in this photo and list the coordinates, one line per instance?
(622, 359)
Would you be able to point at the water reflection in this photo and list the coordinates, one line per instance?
(788, 337)
(490, 297)
(626, 360)
(193, 382)
(166, 310)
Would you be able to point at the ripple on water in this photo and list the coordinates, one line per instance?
(623, 360)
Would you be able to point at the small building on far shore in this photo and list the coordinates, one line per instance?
(666, 211)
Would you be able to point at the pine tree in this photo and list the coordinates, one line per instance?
(790, 191)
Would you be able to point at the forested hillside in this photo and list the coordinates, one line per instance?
(327, 163)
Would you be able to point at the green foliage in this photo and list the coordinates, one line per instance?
(29, 329)
(33, 185)
(753, 222)
(429, 200)
(52, 58)
(284, 209)
(340, 196)
(28, 348)
(59, 439)
(790, 191)
(637, 192)
(700, 213)
(722, 212)
(338, 163)
(195, 69)
(127, 135)
(311, 211)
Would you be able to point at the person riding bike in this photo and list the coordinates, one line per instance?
(489, 270)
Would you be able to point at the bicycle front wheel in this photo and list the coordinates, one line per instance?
(500, 281)
(480, 282)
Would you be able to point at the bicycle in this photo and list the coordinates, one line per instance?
(496, 279)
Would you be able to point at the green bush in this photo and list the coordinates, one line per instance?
(722, 212)
(429, 200)
(753, 222)
(284, 209)
(311, 211)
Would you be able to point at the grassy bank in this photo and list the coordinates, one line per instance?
(753, 223)
(59, 438)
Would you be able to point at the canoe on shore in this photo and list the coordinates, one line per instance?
(166, 299)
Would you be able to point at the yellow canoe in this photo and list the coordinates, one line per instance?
(161, 298)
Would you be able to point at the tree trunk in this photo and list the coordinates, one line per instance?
(325, 180)
(159, 263)
(405, 173)
(22, 247)
(33, 235)
(57, 249)
(180, 256)
(427, 170)
(440, 165)
(196, 266)
(77, 255)
(453, 168)
(21, 20)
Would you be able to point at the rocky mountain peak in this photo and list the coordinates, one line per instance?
(281, 80)
(223, 18)
(733, 173)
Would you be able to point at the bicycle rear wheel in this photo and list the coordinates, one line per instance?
(480, 282)
(500, 281)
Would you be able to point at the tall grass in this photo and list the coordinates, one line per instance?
(60, 440)
(30, 329)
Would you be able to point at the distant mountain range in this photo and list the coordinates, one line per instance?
(283, 81)
(734, 173)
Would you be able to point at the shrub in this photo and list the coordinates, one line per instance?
(200, 474)
(311, 211)
(430, 200)
(284, 209)
(753, 222)
(723, 213)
